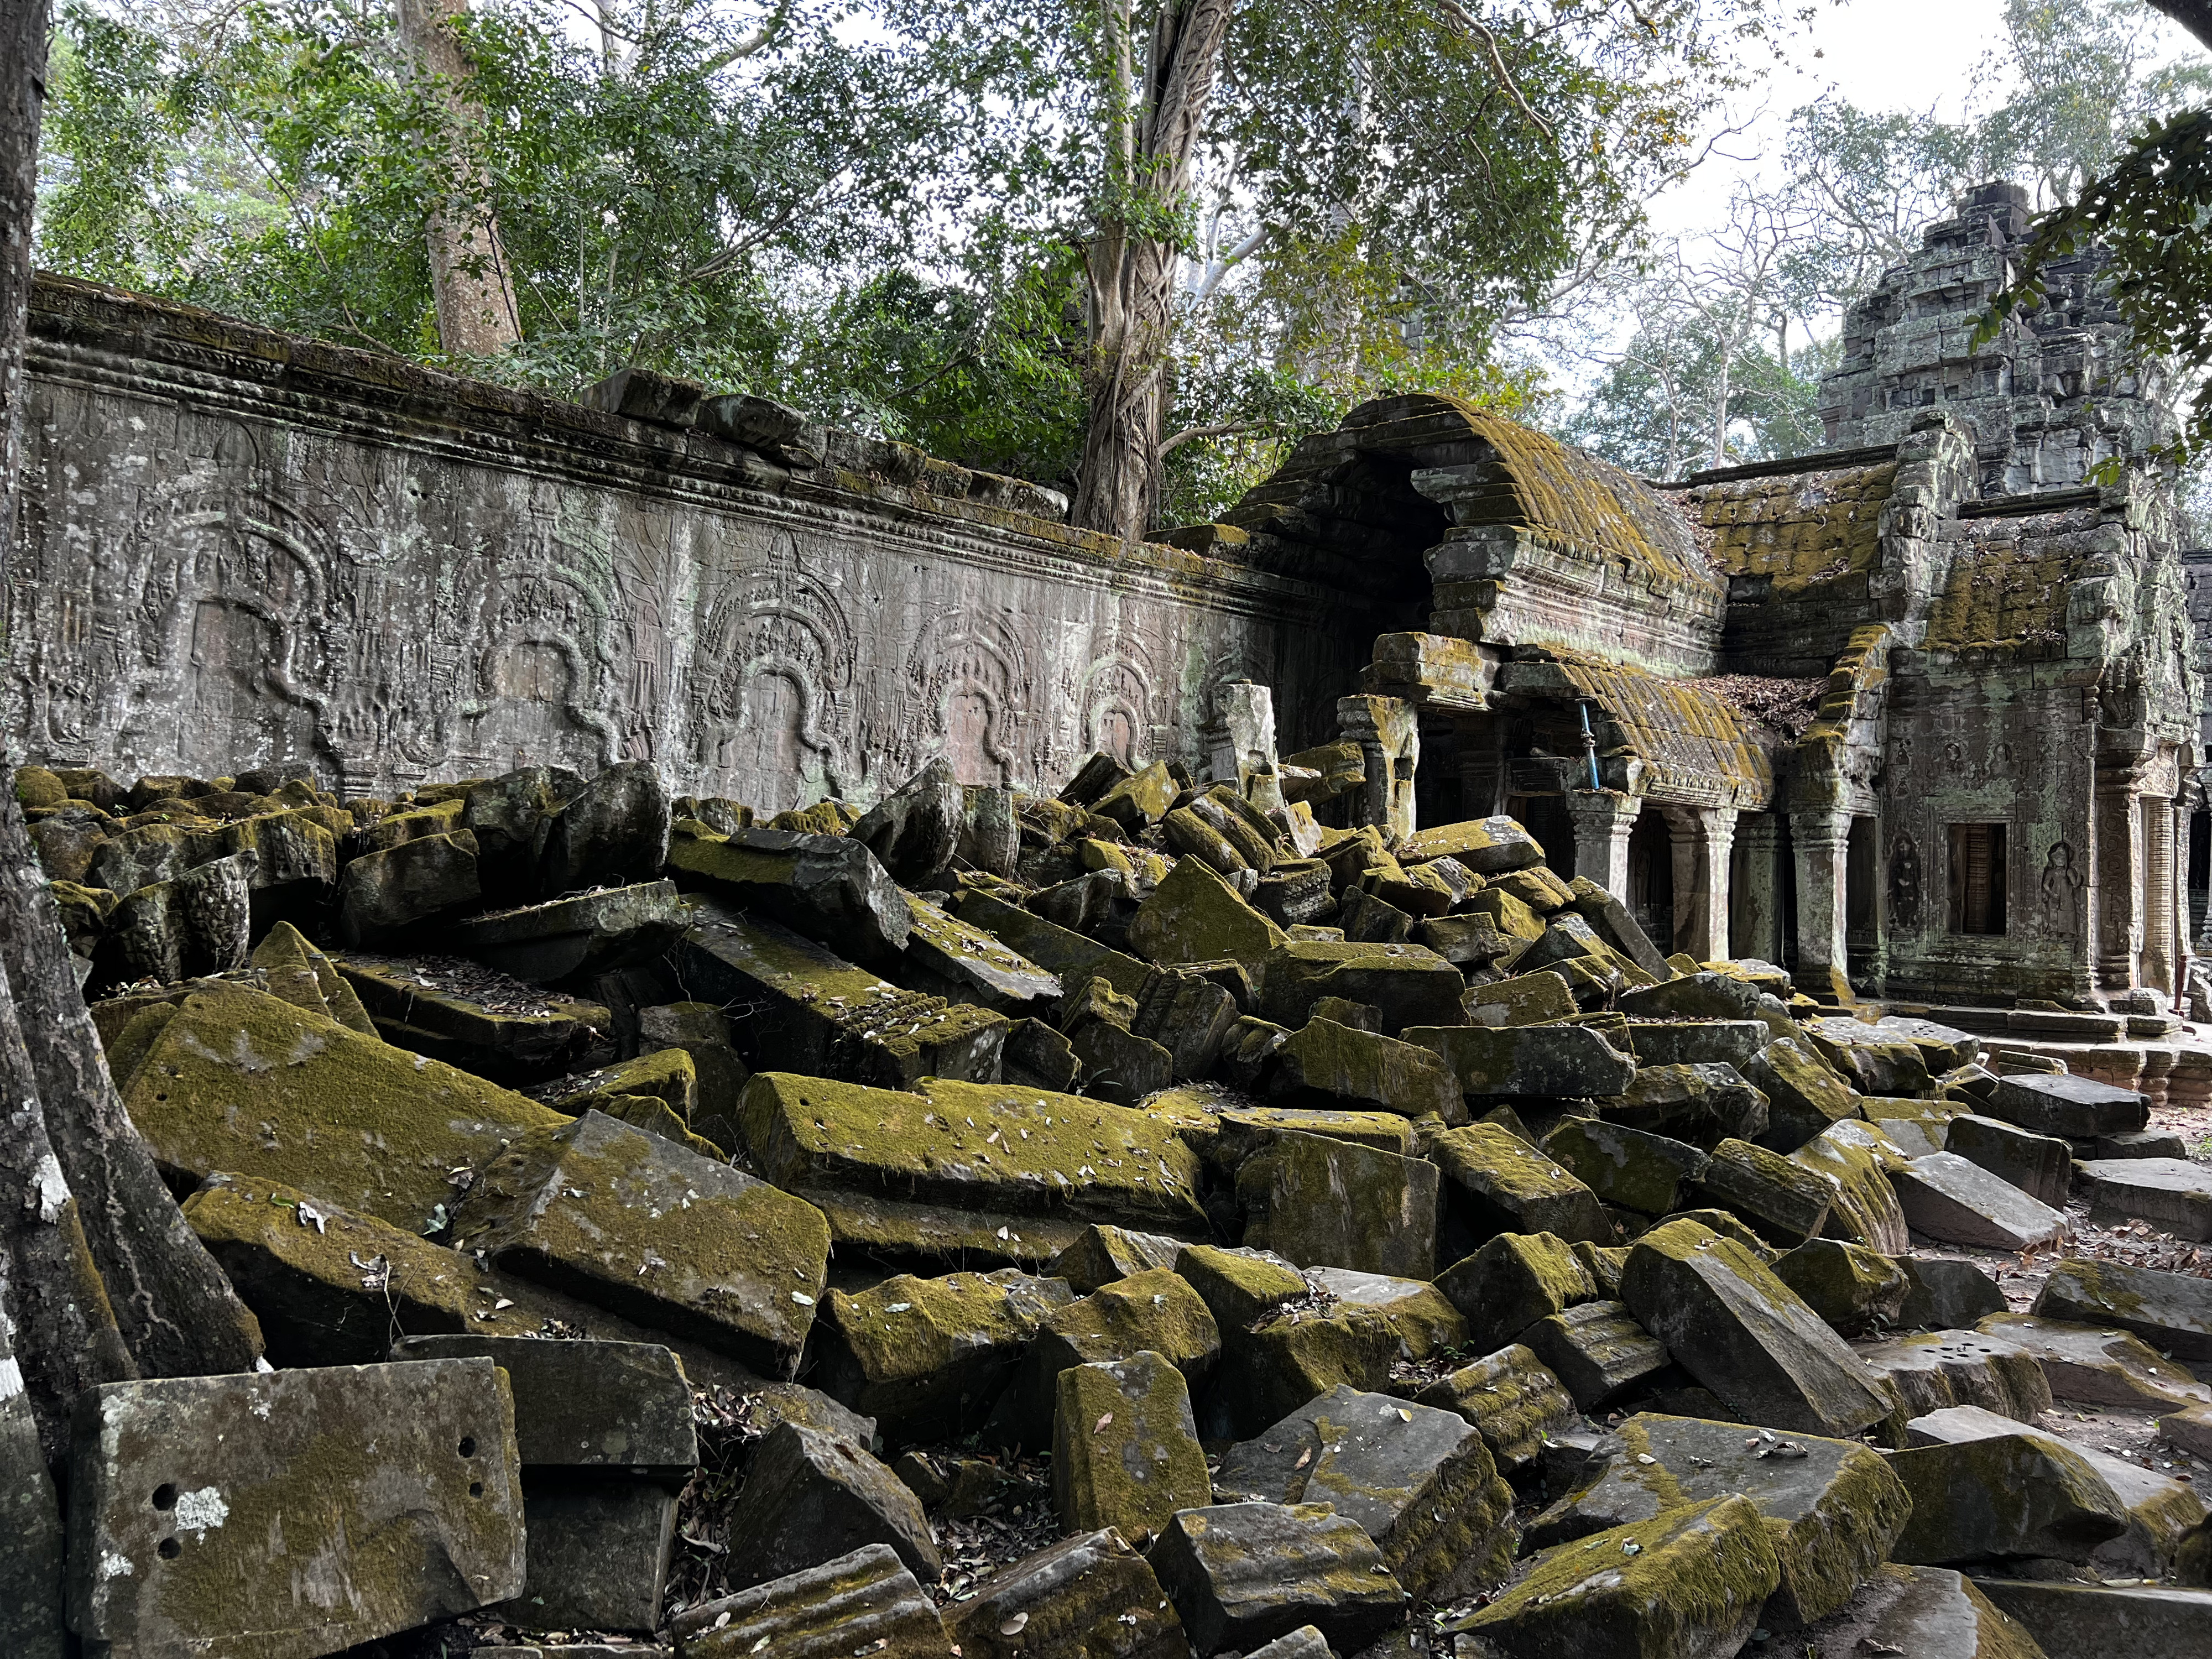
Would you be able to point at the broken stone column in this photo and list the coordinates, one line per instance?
(1704, 838)
(1820, 839)
(1603, 820)
(1244, 744)
(1388, 733)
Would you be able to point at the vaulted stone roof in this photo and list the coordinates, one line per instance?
(1696, 744)
(1799, 528)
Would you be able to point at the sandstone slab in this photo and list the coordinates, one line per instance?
(1949, 1198)
(2100, 1365)
(1244, 1574)
(1499, 1183)
(1597, 1350)
(1549, 1061)
(1514, 1401)
(193, 1496)
(810, 1496)
(1088, 1597)
(1125, 1451)
(2174, 1195)
(2070, 1108)
(864, 1602)
(1917, 1610)
(590, 932)
(2021, 1494)
(2086, 1621)
(2172, 1312)
(1513, 1281)
(1317, 1201)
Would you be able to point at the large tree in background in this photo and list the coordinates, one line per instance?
(2150, 207)
(470, 282)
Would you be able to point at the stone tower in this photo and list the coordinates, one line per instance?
(2056, 393)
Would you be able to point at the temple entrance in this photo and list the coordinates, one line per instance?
(1651, 878)
(1861, 907)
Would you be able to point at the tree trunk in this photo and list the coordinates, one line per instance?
(470, 282)
(1132, 276)
(176, 1310)
(30, 1517)
(2195, 15)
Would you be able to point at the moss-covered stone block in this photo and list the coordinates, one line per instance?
(1243, 1133)
(1238, 1286)
(656, 1233)
(1420, 1479)
(1626, 1168)
(1488, 846)
(1597, 1350)
(2013, 1495)
(241, 1081)
(196, 1501)
(1931, 1370)
(1499, 1183)
(1536, 999)
(1859, 1159)
(1832, 1507)
(307, 978)
(1157, 1311)
(1804, 1094)
(1549, 1061)
(810, 1496)
(1243, 1574)
(927, 1357)
(1084, 1596)
(1691, 1580)
(1513, 1281)
(1320, 1201)
(1271, 1368)
(1103, 1254)
(1847, 1285)
(865, 1601)
(452, 1010)
(1406, 984)
(1196, 915)
(1785, 1203)
(1325, 1064)
(1746, 1335)
(384, 894)
(1514, 1401)
(1125, 1451)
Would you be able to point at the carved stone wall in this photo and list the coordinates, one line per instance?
(238, 548)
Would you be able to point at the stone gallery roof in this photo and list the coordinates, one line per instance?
(1695, 741)
(1799, 528)
(2006, 591)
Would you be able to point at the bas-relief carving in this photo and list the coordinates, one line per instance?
(2059, 893)
(246, 592)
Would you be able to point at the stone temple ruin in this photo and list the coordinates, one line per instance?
(764, 1050)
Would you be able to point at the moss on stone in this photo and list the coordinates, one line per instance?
(926, 1357)
(1125, 1451)
(1237, 1288)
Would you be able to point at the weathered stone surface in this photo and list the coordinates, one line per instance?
(383, 894)
(2017, 1494)
(1690, 1582)
(1242, 1135)
(1785, 1202)
(1238, 1286)
(31, 1577)
(1625, 1167)
(2067, 1107)
(1118, 1064)
(191, 1497)
(598, 1553)
(1513, 1399)
(1513, 1281)
(1194, 915)
(613, 830)
(2173, 1312)
(1847, 1285)
(814, 1012)
(1407, 985)
(1938, 1370)
(2173, 1193)
(1187, 1015)
(1596, 1350)
(1857, 1158)
(1319, 1201)
(452, 1010)
(1946, 1198)
(657, 1233)
(1525, 999)
(2166, 1520)
(299, 974)
(1832, 1507)
(238, 1080)
(1944, 1295)
(2099, 1364)
(1125, 1450)
(830, 888)
(864, 1601)
(915, 831)
(1744, 1335)
(1917, 1610)
(1545, 1060)
(1499, 1183)
(810, 1496)
(1061, 950)
(1326, 1064)
(2041, 1166)
(929, 1176)
(1243, 1574)
(1102, 1255)
(617, 1407)
(1803, 1095)
(1421, 1480)
(1488, 846)
(1426, 1322)
(1157, 1311)
(1089, 1597)
(1271, 1368)
(927, 1358)
(1703, 1104)
(2086, 1621)
(585, 933)
(1697, 1041)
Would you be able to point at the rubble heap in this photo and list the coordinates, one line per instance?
(1143, 1221)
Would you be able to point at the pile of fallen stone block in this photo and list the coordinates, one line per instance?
(1144, 1221)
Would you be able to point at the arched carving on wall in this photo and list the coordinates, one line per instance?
(225, 593)
(1117, 704)
(646, 575)
(540, 677)
(769, 707)
(969, 695)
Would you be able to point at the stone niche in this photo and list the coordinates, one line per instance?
(240, 548)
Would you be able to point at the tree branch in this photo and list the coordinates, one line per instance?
(1464, 20)
(1228, 430)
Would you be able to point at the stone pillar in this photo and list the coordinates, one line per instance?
(2161, 933)
(1603, 820)
(1758, 926)
(1246, 744)
(2119, 878)
(1703, 837)
(1388, 733)
(1821, 841)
